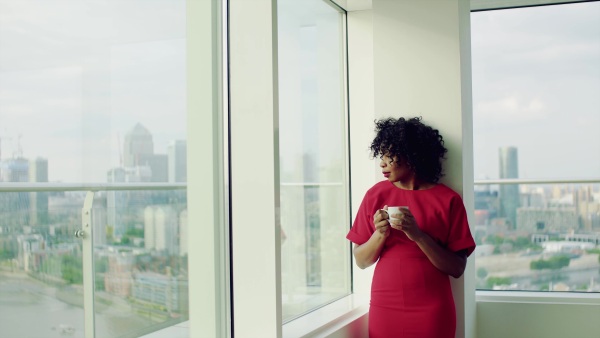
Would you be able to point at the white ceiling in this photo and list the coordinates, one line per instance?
(358, 5)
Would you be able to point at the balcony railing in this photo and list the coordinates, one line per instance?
(536, 181)
(85, 234)
(543, 236)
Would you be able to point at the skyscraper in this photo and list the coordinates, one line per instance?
(177, 153)
(38, 201)
(14, 206)
(138, 151)
(138, 143)
(509, 193)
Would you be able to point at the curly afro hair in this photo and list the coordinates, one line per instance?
(412, 141)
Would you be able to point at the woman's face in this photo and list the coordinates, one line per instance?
(394, 169)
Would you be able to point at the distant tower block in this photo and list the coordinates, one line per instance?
(138, 143)
(177, 153)
(509, 193)
(38, 201)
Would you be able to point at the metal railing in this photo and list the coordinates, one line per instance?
(48, 187)
(85, 232)
(502, 181)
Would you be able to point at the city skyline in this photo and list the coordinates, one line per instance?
(141, 154)
(101, 81)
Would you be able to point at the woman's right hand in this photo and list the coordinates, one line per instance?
(380, 220)
(367, 254)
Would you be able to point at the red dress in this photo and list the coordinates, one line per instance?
(409, 296)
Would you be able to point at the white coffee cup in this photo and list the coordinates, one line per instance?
(395, 210)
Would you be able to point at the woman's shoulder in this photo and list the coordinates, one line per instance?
(444, 190)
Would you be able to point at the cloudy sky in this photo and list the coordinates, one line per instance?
(536, 86)
(75, 76)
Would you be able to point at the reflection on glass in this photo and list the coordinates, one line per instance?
(314, 191)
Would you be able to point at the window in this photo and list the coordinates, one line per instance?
(93, 93)
(315, 262)
(536, 79)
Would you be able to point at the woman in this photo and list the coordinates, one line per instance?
(427, 241)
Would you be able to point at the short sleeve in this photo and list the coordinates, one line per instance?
(459, 236)
(363, 227)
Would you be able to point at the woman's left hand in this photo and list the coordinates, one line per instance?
(406, 222)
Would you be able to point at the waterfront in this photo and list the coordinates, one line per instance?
(32, 309)
(582, 271)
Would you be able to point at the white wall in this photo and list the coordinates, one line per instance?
(364, 172)
(510, 319)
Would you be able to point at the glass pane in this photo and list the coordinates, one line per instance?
(536, 79)
(92, 92)
(141, 282)
(79, 80)
(40, 265)
(314, 190)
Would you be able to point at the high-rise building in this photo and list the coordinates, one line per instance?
(183, 233)
(14, 206)
(177, 153)
(138, 143)
(509, 193)
(116, 203)
(14, 170)
(158, 165)
(138, 152)
(38, 201)
(160, 229)
(551, 219)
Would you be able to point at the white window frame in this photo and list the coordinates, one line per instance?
(530, 297)
(208, 254)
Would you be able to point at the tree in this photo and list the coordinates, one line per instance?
(482, 272)
(554, 263)
(491, 281)
(7, 254)
(72, 269)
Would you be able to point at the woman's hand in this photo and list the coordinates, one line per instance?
(405, 221)
(380, 220)
(367, 254)
(452, 263)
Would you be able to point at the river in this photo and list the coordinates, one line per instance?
(31, 309)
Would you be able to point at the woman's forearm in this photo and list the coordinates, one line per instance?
(451, 263)
(367, 254)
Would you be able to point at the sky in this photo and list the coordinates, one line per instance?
(536, 86)
(76, 76)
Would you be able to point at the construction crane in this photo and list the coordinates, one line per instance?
(19, 151)
(3, 138)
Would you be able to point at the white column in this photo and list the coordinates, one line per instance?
(254, 143)
(207, 228)
(361, 105)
